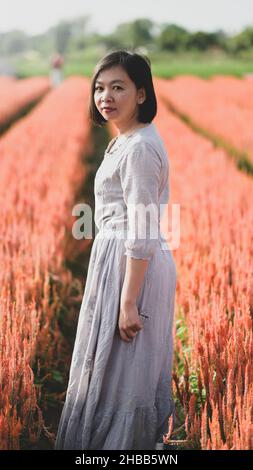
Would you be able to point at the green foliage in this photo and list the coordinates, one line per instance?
(166, 65)
(182, 334)
(202, 41)
(130, 34)
(72, 35)
(242, 41)
(62, 36)
(13, 42)
(173, 38)
(172, 49)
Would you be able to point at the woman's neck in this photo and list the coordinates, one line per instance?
(125, 132)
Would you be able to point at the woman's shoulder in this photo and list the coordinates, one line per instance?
(148, 142)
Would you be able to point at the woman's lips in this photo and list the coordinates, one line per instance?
(109, 110)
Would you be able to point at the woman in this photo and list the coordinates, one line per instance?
(119, 392)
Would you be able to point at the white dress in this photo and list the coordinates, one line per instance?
(119, 393)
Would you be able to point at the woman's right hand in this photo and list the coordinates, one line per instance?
(129, 321)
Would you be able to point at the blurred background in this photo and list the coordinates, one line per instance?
(180, 37)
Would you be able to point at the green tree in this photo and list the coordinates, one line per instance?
(62, 36)
(133, 34)
(241, 41)
(202, 40)
(172, 37)
(14, 42)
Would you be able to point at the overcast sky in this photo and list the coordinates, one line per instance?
(35, 16)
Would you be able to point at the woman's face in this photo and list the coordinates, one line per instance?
(114, 89)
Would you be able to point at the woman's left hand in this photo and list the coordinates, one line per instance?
(129, 322)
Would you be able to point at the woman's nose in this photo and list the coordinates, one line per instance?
(106, 94)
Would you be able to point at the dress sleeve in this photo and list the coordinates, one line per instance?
(140, 173)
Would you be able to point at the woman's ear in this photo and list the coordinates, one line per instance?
(142, 95)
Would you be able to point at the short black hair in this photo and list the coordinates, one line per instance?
(138, 68)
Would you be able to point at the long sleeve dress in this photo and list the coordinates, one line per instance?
(119, 394)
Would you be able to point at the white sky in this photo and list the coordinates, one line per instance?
(35, 16)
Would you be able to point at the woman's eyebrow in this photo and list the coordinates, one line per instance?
(113, 81)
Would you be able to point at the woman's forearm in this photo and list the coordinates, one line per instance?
(134, 277)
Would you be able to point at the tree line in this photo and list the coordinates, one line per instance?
(71, 36)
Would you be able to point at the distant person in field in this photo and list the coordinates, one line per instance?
(56, 74)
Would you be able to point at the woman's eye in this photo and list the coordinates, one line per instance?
(116, 86)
